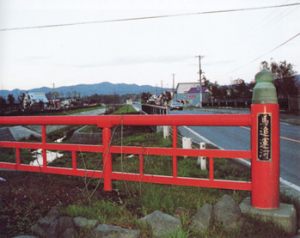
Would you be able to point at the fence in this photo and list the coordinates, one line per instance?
(154, 109)
(265, 169)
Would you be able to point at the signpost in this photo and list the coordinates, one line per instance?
(265, 143)
(264, 147)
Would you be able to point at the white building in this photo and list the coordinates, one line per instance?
(33, 100)
(189, 93)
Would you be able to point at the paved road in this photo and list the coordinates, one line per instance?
(239, 138)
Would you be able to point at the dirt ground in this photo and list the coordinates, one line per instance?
(25, 197)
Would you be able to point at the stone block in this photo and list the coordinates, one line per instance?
(284, 216)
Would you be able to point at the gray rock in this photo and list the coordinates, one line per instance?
(284, 216)
(37, 229)
(161, 224)
(83, 222)
(46, 227)
(110, 231)
(51, 216)
(53, 225)
(293, 197)
(54, 212)
(47, 221)
(202, 219)
(64, 223)
(228, 213)
(69, 233)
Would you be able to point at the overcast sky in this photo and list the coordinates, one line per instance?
(145, 51)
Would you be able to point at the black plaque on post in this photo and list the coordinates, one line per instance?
(264, 136)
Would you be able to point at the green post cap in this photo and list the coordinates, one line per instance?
(264, 90)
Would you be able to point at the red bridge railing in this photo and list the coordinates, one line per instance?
(107, 173)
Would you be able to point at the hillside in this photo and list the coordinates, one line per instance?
(104, 88)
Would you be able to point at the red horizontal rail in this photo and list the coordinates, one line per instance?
(106, 122)
(183, 181)
(53, 170)
(147, 178)
(52, 146)
(134, 120)
(230, 154)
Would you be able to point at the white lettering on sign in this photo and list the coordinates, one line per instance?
(264, 136)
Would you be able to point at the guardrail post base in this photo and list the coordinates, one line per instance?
(284, 216)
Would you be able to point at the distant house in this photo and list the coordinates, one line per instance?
(129, 101)
(189, 94)
(35, 101)
(237, 81)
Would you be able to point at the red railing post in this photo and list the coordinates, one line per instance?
(44, 141)
(107, 163)
(18, 157)
(211, 168)
(141, 159)
(74, 160)
(174, 144)
(265, 166)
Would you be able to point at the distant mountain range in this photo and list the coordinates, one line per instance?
(104, 88)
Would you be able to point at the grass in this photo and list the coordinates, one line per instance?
(145, 198)
(120, 110)
(106, 212)
(179, 233)
(135, 200)
(9, 155)
(63, 132)
(139, 199)
(125, 109)
(66, 111)
(90, 129)
(84, 109)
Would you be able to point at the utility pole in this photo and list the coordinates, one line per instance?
(173, 75)
(53, 91)
(200, 78)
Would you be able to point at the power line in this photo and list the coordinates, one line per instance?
(268, 52)
(149, 17)
(275, 48)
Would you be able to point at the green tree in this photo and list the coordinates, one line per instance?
(21, 97)
(284, 77)
(2, 102)
(145, 96)
(10, 99)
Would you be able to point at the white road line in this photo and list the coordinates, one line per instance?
(202, 137)
(243, 161)
(247, 128)
(281, 137)
(289, 139)
(291, 185)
